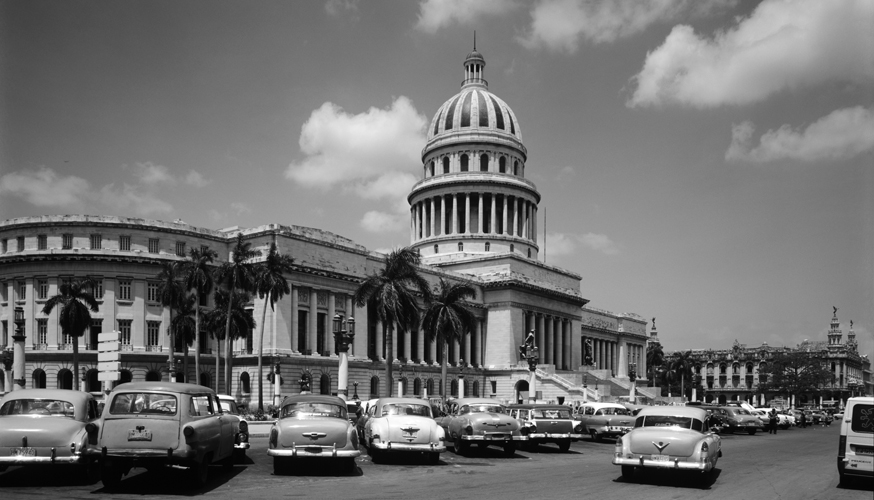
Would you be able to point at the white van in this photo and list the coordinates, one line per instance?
(856, 445)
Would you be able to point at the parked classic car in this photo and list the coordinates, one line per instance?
(668, 437)
(400, 425)
(49, 426)
(313, 426)
(481, 421)
(735, 418)
(544, 423)
(602, 420)
(159, 424)
(241, 437)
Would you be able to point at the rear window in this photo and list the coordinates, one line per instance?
(669, 421)
(555, 413)
(306, 409)
(44, 407)
(138, 403)
(407, 409)
(863, 418)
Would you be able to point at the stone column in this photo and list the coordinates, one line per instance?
(479, 226)
(466, 351)
(493, 217)
(622, 361)
(312, 324)
(432, 219)
(380, 341)
(541, 338)
(455, 213)
(420, 345)
(549, 342)
(407, 351)
(294, 326)
(534, 224)
(467, 220)
(516, 204)
(432, 352)
(442, 215)
(394, 343)
(329, 331)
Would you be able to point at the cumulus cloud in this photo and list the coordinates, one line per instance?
(241, 208)
(340, 7)
(436, 14)
(561, 25)
(371, 154)
(375, 221)
(782, 45)
(194, 178)
(131, 199)
(558, 244)
(152, 174)
(843, 133)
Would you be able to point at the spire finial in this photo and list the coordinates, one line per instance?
(474, 39)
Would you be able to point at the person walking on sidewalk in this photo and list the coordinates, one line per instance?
(772, 421)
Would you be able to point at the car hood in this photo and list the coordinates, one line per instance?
(55, 432)
(410, 429)
(321, 431)
(673, 441)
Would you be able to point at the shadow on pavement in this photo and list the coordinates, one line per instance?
(171, 481)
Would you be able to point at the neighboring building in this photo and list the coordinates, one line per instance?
(736, 374)
(473, 218)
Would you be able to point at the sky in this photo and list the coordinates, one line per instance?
(709, 163)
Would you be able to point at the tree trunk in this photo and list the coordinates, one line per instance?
(228, 341)
(229, 354)
(260, 357)
(185, 364)
(389, 358)
(443, 372)
(197, 336)
(171, 363)
(75, 363)
(218, 364)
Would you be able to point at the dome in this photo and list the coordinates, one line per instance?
(474, 109)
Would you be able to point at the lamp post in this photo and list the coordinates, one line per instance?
(461, 367)
(277, 381)
(530, 353)
(304, 382)
(401, 381)
(18, 351)
(344, 333)
(586, 387)
(632, 375)
(355, 395)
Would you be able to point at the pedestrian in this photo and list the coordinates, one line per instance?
(772, 421)
(803, 420)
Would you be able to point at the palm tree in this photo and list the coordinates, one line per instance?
(447, 319)
(681, 364)
(183, 326)
(198, 277)
(270, 284)
(170, 294)
(655, 357)
(76, 305)
(229, 316)
(391, 293)
(235, 275)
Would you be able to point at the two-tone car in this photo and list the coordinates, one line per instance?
(403, 426)
(669, 437)
(545, 423)
(241, 434)
(481, 421)
(40, 427)
(602, 420)
(163, 424)
(735, 419)
(313, 426)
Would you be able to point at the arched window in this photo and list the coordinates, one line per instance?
(374, 387)
(512, 247)
(205, 379)
(91, 382)
(749, 368)
(440, 386)
(245, 387)
(453, 388)
(515, 168)
(39, 379)
(460, 246)
(403, 387)
(432, 168)
(722, 369)
(436, 248)
(153, 376)
(445, 164)
(484, 163)
(475, 388)
(464, 163)
(125, 377)
(502, 165)
(180, 377)
(529, 253)
(65, 379)
(429, 384)
(325, 384)
(417, 386)
(488, 246)
(735, 368)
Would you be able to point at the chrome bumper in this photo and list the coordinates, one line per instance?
(73, 459)
(309, 451)
(171, 454)
(491, 438)
(546, 435)
(398, 446)
(242, 446)
(675, 463)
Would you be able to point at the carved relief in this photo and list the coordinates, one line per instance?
(322, 299)
(303, 296)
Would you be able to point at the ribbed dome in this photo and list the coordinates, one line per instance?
(472, 109)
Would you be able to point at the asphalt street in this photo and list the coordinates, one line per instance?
(794, 464)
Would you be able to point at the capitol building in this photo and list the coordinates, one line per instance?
(473, 217)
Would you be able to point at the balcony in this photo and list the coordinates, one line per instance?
(39, 347)
(154, 348)
(127, 347)
(65, 347)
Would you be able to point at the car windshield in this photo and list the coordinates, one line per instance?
(312, 409)
(612, 411)
(407, 409)
(740, 411)
(44, 407)
(552, 413)
(229, 406)
(485, 408)
(669, 421)
(136, 403)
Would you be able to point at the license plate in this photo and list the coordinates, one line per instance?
(752, 423)
(497, 437)
(864, 451)
(409, 435)
(660, 458)
(24, 452)
(136, 435)
(313, 449)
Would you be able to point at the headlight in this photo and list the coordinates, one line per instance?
(578, 429)
(244, 426)
(188, 431)
(468, 430)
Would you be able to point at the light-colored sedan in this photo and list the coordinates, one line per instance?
(241, 434)
(403, 425)
(164, 424)
(669, 437)
(602, 420)
(312, 426)
(40, 427)
(545, 423)
(481, 421)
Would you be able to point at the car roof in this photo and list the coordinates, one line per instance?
(678, 411)
(316, 398)
(528, 406)
(476, 401)
(605, 405)
(385, 401)
(63, 394)
(163, 387)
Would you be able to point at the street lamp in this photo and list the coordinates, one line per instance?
(344, 334)
(401, 381)
(18, 351)
(304, 382)
(530, 353)
(461, 368)
(632, 375)
(355, 395)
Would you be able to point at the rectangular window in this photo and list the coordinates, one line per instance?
(5, 244)
(67, 242)
(180, 248)
(67, 339)
(153, 245)
(22, 290)
(124, 326)
(152, 292)
(203, 249)
(42, 289)
(124, 243)
(124, 289)
(20, 241)
(42, 330)
(96, 242)
(204, 341)
(152, 330)
(204, 299)
(42, 242)
(97, 288)
(4, 341)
